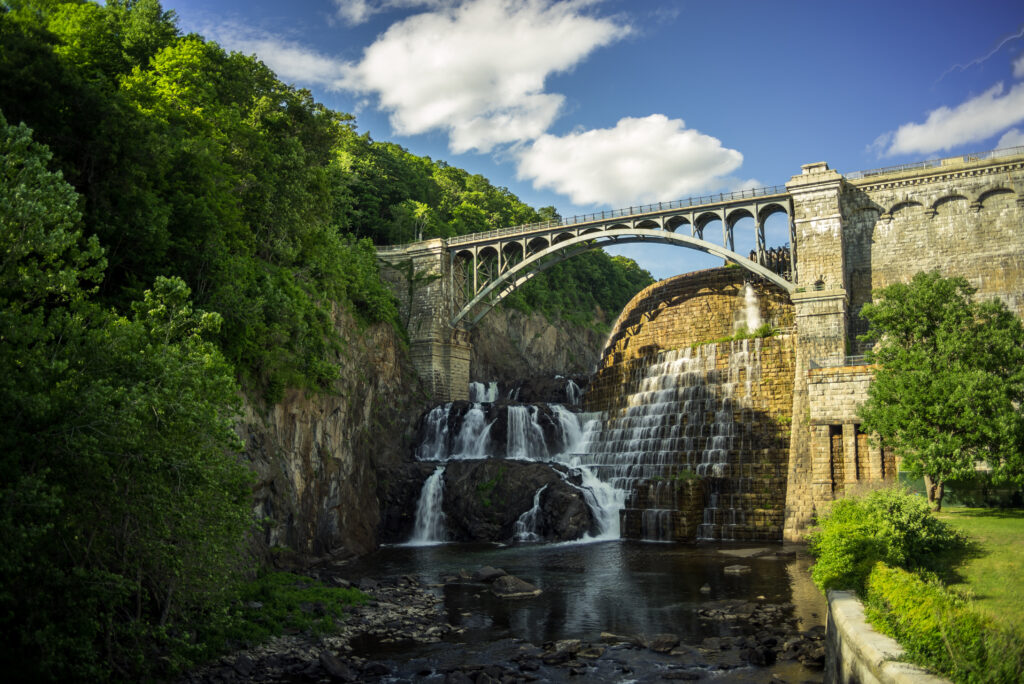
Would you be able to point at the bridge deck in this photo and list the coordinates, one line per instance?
(688, 205)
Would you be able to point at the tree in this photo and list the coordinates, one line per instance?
(123, 505)
(948, 393)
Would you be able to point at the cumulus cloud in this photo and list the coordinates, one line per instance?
(476, 69)
(1012, 138)
(640, 160)
(971, 121)
(292, 61)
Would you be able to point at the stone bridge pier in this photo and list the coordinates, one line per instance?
(419, 275)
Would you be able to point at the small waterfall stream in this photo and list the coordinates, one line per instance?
(526, 526)
(430, 522)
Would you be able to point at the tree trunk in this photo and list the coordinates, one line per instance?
(929, 489)
(938, 496)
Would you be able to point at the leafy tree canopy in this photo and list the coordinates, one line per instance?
(120, 490)
(197, 163)
(948, 392)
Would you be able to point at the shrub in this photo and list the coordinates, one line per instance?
(940, 629)
(889, 525)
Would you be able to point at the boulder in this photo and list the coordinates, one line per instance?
(509, 586)
(488, 574)
(484, 498)
(336, 668)
(663, 643)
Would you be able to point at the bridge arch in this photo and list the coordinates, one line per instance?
(565, 247)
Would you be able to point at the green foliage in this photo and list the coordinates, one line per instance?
(201, 164)
(763, 330)
(486, 488)
(120, 489)
(949, 390)
(942, 630)
(587, 288)
(272, 604)
(888, 525)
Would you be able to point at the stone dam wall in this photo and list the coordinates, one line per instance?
(687, 312)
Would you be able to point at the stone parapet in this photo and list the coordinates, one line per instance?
(857, 654)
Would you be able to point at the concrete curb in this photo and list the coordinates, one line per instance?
(855, 653)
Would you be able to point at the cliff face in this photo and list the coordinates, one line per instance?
(509, 345)
(317, 457)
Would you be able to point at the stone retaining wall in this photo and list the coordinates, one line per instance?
(856, 653)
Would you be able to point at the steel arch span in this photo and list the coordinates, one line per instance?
(503, 283)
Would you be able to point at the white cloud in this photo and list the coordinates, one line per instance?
(476, 69)
(1012, 138)
(355, 12)
(291, 61)
(640, 160)
(969, 122)
(1018, 67)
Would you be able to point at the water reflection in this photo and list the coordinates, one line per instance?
(616, 586)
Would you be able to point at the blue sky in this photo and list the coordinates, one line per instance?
(590, 104)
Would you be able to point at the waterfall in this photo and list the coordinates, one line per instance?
(526, 525)
(448, 436)
(479, 393)
(573, 393)
(434, 446)
(430, 523)
(686, 414)
(525, 436)
(751, 309)
(471, 442)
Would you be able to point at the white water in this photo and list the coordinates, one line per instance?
(430, 520)
(525, 436)
(685, 413)
(526, 525)
(481, 393)
(524, 441)
(573, 393)
(474, 436)
(751, 309)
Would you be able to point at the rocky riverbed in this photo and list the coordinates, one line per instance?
(406, 634)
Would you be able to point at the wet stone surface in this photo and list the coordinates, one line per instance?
(405, 634)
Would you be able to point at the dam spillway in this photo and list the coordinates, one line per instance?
(695, 431)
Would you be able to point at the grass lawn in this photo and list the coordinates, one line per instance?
(996, 574)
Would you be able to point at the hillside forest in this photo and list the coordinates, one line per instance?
(179, 229)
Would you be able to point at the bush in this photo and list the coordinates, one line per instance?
(940, 629)
(888, 525)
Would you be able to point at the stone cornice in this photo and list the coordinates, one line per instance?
(953, 173)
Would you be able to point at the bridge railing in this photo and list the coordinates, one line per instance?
(934, 163)
(616, 213)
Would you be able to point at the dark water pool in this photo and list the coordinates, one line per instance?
(624, 587)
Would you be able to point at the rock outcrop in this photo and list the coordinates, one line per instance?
(317, 456)
(509, 345)
(484, 499)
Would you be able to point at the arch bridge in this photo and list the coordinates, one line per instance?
(484, 268)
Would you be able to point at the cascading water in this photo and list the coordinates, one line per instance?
(687, 416)
(525, 436)
(462, 430)
(573, 393)
(751, 309)
(526, 526)
(430, 520)
(480, 393)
